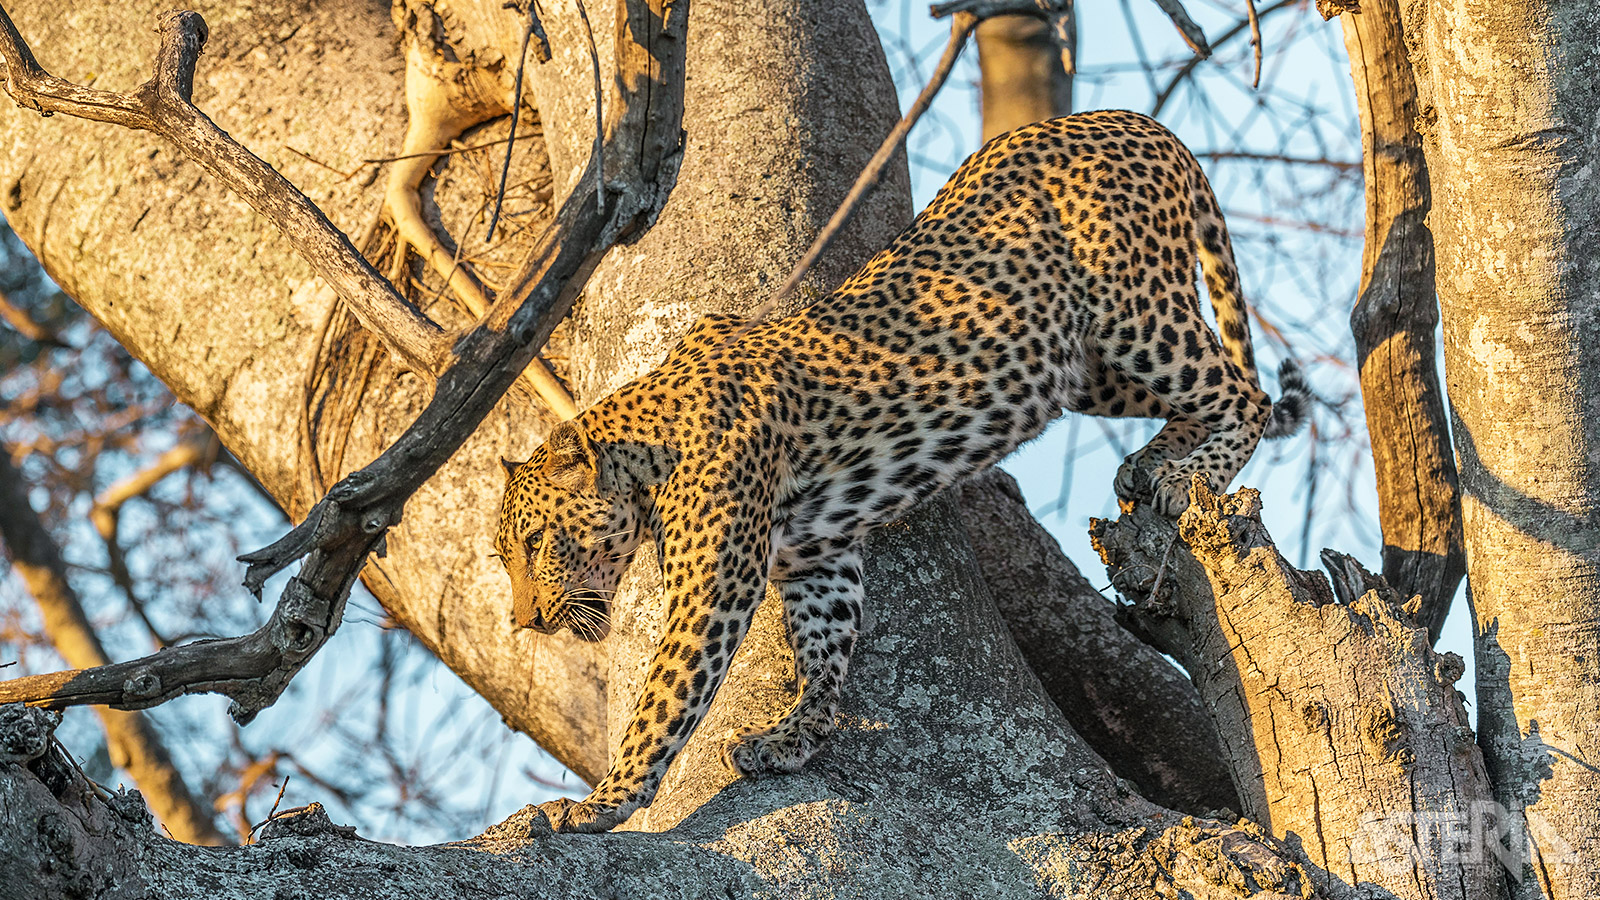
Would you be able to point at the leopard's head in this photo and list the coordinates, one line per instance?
(568, 528)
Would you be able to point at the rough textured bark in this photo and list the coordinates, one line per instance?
(1395, 323)
(1510, 106)
(131, 738)
(1139, 712)
(1341, 726)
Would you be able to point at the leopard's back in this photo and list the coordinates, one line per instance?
(1054, 270)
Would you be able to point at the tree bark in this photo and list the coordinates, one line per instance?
(1138, 711)
(1023, 80)
(131, 737)
(1509, 106)
(1342, 728)
(1395, 323)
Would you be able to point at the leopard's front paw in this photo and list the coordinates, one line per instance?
(574, 817)
(1172, 490)
(1133, 479)
(780, 750)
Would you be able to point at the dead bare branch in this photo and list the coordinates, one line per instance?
(352, 518)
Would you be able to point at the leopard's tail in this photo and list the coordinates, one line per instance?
(1222, 274)
(1233, 316)
(1293, 403)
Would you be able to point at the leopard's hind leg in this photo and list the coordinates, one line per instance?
(1215, 413)
(1108, 392)
(1218, 418)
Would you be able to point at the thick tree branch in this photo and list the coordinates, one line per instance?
(1347, 733)
(353, 517)
(1396, 322)
(162, 106)
(1135, 708)
(131, 738)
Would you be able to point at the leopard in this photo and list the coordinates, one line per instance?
(1054, 271)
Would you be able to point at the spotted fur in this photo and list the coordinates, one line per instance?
(1055, 270)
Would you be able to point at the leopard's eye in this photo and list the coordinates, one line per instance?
(532, 542)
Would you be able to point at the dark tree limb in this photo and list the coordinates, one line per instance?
(352, 518)
(1395, 323)
(1345, 731)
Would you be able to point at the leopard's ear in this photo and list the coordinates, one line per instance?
(511, 465)
(569, 459)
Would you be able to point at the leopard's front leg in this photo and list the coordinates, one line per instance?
(822, 601)
(714, 554)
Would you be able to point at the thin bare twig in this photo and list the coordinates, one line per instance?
(108, 506)
(1230, 34)
(447, 151)
(1255, 39)
(516, 115)
(271, 813)
(1341, 165)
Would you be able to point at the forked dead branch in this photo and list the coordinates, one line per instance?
(643, 134)
(1329, 689)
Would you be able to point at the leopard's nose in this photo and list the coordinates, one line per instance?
(534, 619)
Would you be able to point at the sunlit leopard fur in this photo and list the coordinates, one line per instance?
(1055, 270)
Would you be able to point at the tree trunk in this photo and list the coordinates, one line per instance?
(1510, 105)
(1395, 324)
(1023, 80)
